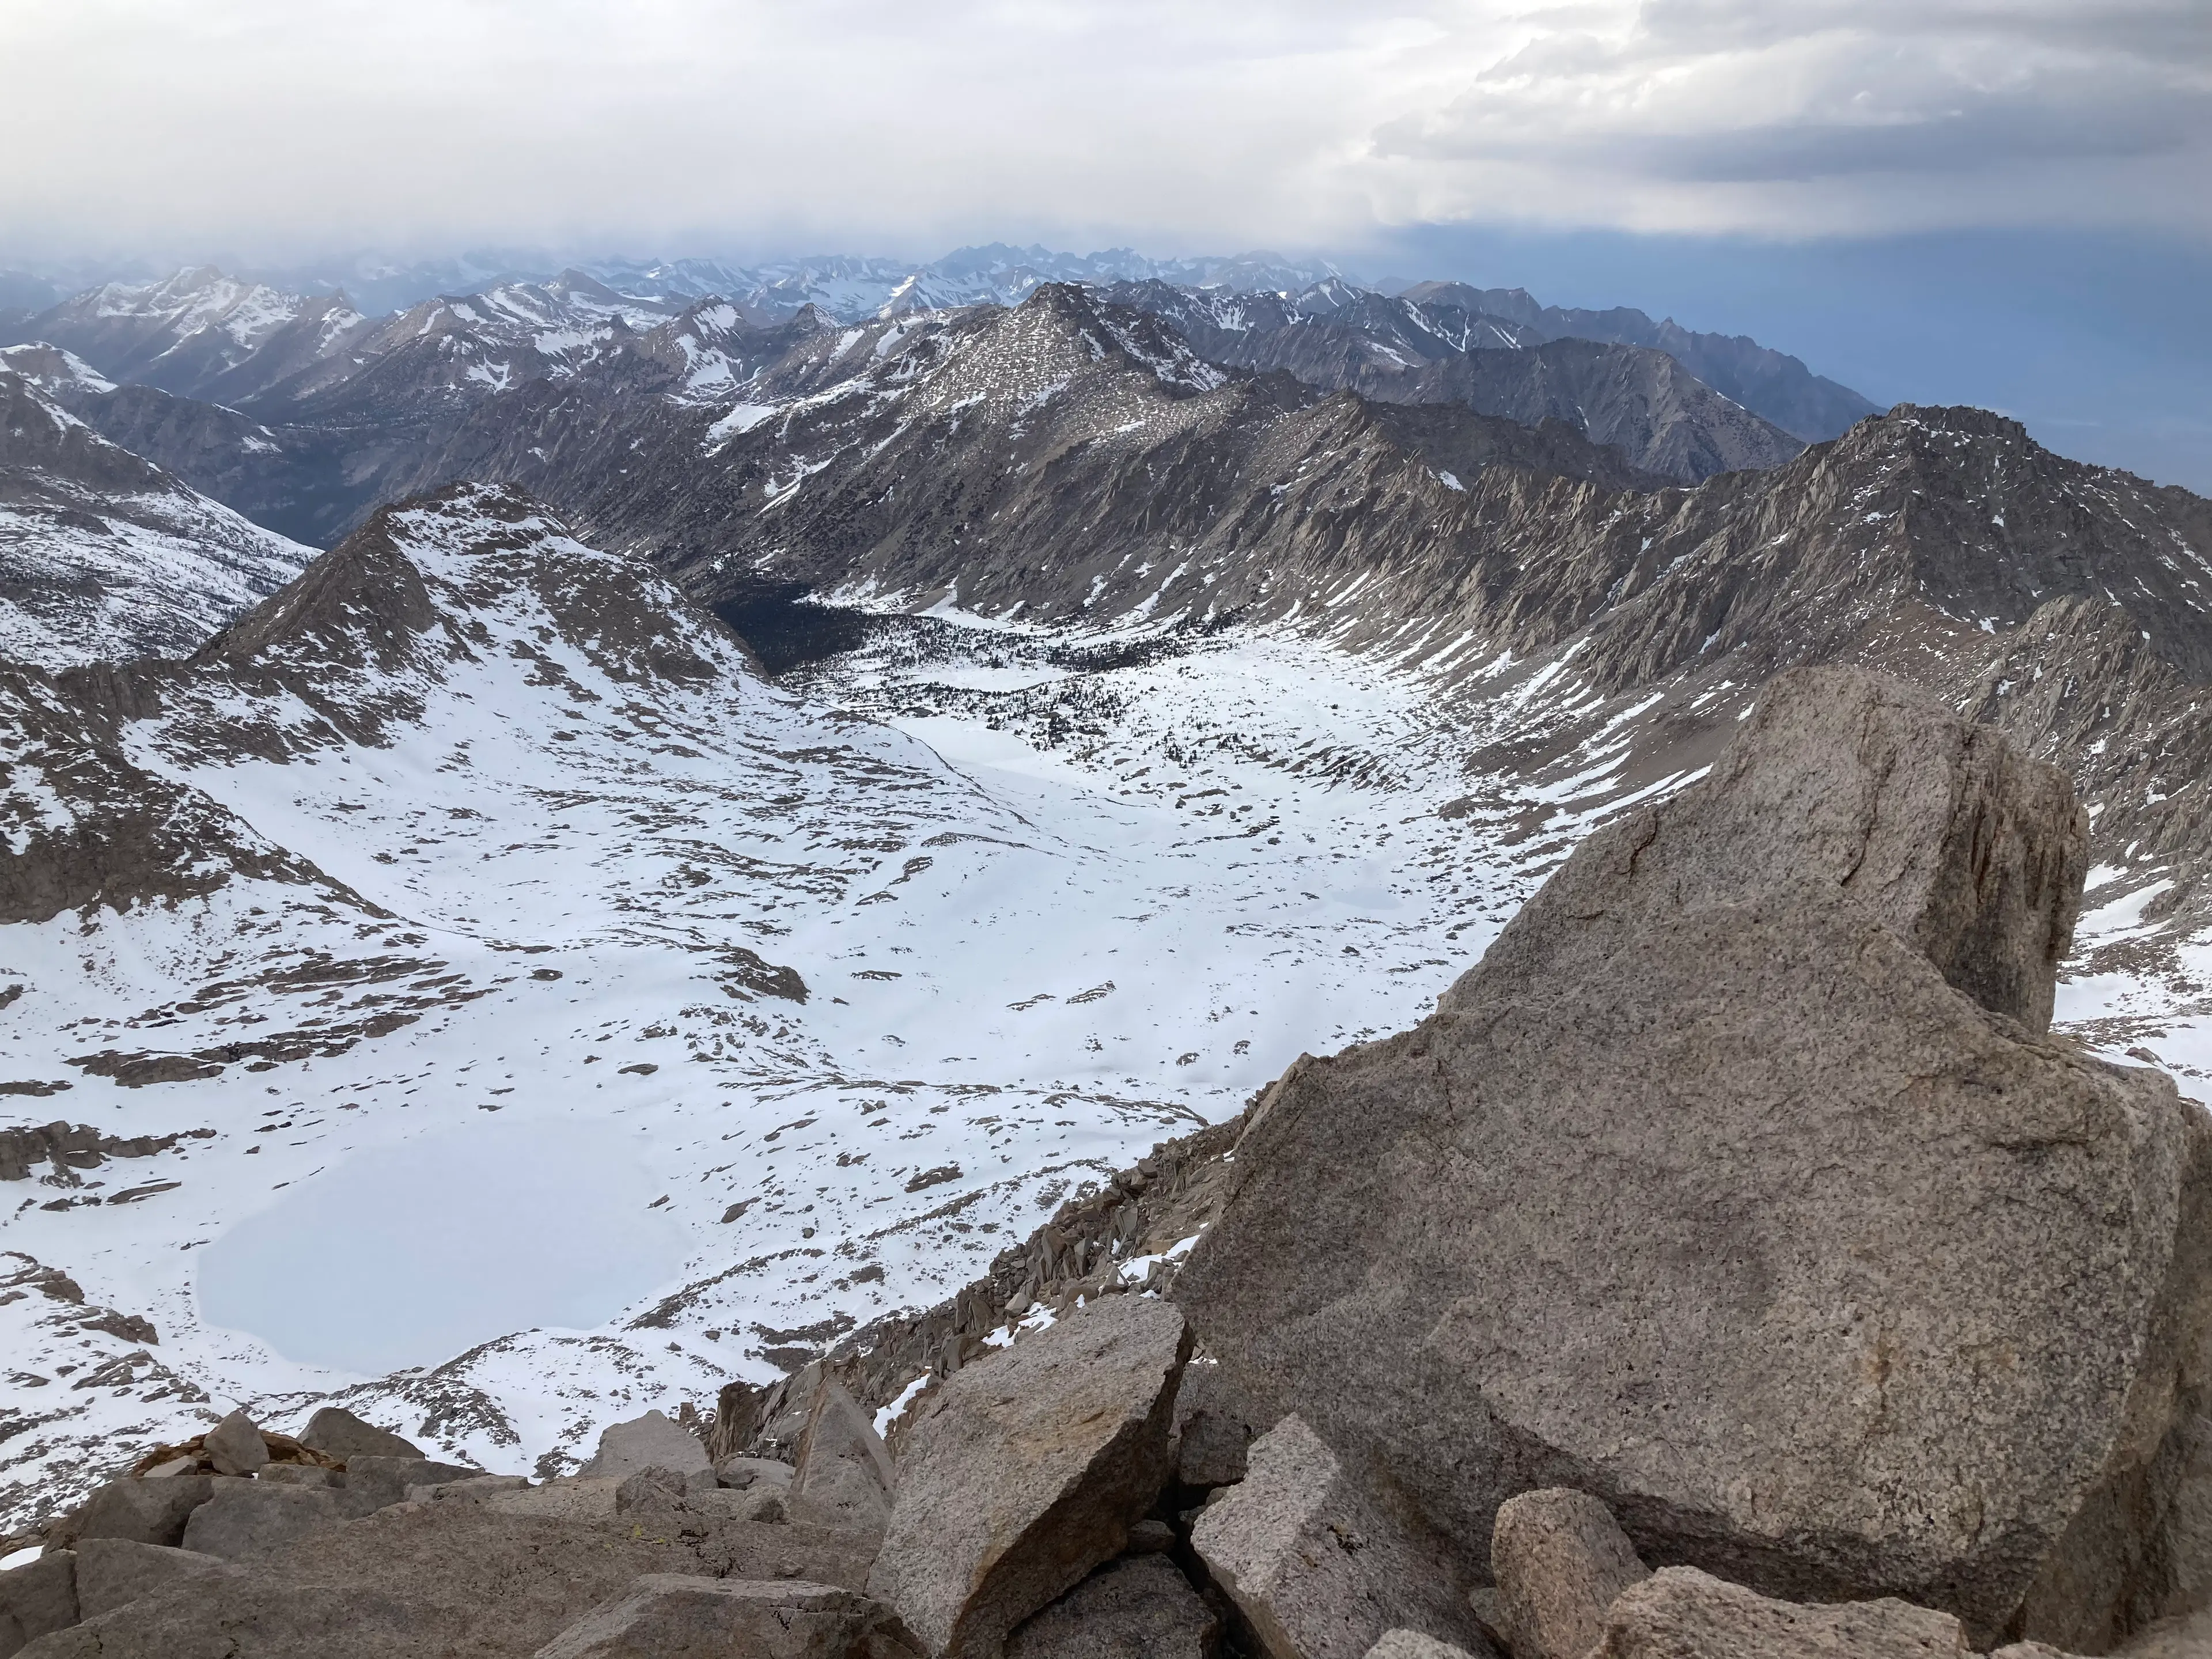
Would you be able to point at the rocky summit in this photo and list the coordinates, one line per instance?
(1734, 1266)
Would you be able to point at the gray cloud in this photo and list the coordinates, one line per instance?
(280, 126)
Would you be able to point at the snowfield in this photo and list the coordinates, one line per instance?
(652, 1029)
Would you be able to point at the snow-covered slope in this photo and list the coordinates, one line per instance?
(181, 334)
(475, 842)
(103, 556)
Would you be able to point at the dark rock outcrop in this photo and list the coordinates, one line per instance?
(336, 1432)
(1141, 1609)
(1733, 1188)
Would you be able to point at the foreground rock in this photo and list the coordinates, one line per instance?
(843, 1475)
(433, 1581)
(338, 1433)
(112, 1572)
(1135, 1609)
(1560, 1559)
(36, 1597)
(1736, 1187)
(1680, 1611)
(1319, 1572)
(666, 1616)
(1025, 1469)
(654, 1441)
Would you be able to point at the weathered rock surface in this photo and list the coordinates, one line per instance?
(1679, 1612)
(234, 1446)
(373, 1481)
(143, 1511)
(669, 1616)
(111, 1571)
(1212, 1433)
(1025, 1469)
(37, 1598)
(250, 1518)
(1560, 1559)
(434, 1580)
(1318, 1570)
(654, 1441)
(843, 1476)
(337, 1432)
(1733, 1187)
(1141, 1608)
(1411, 1644)
(744, 1473)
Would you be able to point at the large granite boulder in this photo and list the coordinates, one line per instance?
(36, 1598)
(843, 1475)
(1026, 1468)
(671, 1616)
(144, 1512)
(1680, 1611)
(1318, 1569)
(654, 1441)
(1737, 1187)
(1561, 1560)
(337, 1432)
(112, 1572)
(247, 1518)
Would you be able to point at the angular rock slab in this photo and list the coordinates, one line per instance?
(1561, 1559)
(1136, 1609)
(1025, 1469)
(842, 1476)
(671, 1616)
(112, 1572)
(234, 1446)
(144, 1512)
(1708, 1193)
(1680, 1611)
(36, 1599)
(654, 1441)
(1318, 1571)
(1411, 1644)
(249, 1518)
(336, 1432)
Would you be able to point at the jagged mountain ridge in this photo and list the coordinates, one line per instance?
(346, 401)
(1776, 385)
(103, 555)
(1643, 402)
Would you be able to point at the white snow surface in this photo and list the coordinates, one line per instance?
(1046, 914)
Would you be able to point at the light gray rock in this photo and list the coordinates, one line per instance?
(301, 1475)
(438, 1581)
(841, 1475)
(746, 1472)
(234, 1446)
(1213, 1433)
(373, 1481)
(246, 1519)
(1025, 1469)
(649, 1486)
(1679, 1612)
(669, 1616)
(1731, 1187)
(36, 1598)
(474, 1489)
(111, 1571)
(654, 1441)
(143, 1511)
(336, 1432)
(1411, 1644)
(1318, 1570)
(1135, 1609)
(1560, 1559)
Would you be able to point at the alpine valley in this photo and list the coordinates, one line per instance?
(573, 840)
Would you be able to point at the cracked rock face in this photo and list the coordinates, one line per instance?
(1737, 1187)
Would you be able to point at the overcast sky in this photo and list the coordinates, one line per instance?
(294, 127)
(1725, 159)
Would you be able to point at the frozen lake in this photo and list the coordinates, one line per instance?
(407, 1255)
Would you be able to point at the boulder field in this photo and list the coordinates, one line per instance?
(1734, 1266)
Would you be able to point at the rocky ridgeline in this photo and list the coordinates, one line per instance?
(1732, 1268)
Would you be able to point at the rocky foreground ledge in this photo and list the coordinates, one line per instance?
(1732, 1268)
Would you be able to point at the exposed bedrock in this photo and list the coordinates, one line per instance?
(1740, 1187)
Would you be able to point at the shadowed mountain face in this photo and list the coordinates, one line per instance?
(1638, 399)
